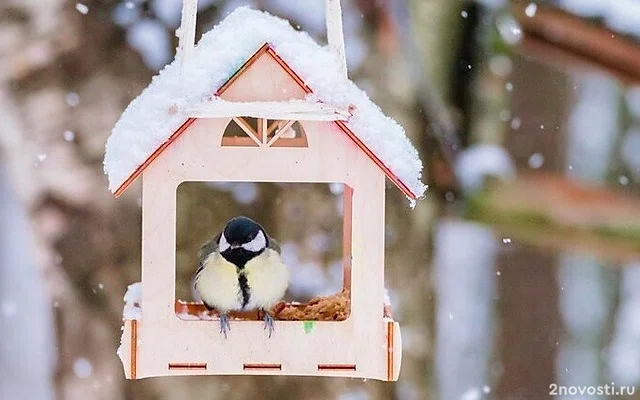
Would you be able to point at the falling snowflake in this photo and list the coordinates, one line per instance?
(82, 8)
(623, 180)
(531, 10)
(69, 136)
(516, 123)
(536, 160)
(82, 368)
(72, 99)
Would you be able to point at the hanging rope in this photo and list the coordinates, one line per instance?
(187, 32)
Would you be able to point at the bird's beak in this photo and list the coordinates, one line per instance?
(236, 245)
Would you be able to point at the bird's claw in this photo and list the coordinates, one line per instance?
(224, 324)
(268, 322)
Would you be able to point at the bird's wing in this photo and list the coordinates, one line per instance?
(208, 248)
(273, 245)
(204, 252)
(194, 293)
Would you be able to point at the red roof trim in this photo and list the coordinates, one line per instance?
(403, 188)
(153, 156)
(266, 48)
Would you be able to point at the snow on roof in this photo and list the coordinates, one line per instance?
(146, 123)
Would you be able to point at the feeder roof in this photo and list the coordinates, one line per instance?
(146, 124)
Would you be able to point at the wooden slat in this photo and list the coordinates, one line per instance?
(248, 130)
(272, 127)
(187, 31)
(280, 132)
(300, 110)
(262, 129)
(134, 348)
(335, 34)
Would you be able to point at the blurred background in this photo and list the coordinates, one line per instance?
(518, 270)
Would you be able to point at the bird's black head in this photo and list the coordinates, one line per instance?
(241, 240)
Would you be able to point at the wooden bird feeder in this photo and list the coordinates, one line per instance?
(258, 101)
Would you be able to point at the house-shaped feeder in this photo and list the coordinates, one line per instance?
(258, 101)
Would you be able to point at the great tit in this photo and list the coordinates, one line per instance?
(241, 269)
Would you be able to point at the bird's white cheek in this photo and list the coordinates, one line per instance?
(258, 243)
(223, 245)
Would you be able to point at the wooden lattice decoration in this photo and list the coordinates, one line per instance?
(261, 132)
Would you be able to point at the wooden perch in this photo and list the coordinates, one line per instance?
(550, 211)
(336, 307)
(564, 40)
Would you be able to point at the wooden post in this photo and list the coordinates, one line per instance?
(335, 35)
(187, 32)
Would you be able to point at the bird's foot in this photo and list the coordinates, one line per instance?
(224, 324)
(268, 321)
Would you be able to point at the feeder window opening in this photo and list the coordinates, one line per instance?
(310, 223)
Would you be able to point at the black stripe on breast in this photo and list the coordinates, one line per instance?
(244, 287)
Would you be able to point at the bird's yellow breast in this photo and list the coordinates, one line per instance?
(268, 279)
(217, 284)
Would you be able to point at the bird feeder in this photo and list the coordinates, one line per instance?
(258, 101)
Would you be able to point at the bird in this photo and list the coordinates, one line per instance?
(240, 269)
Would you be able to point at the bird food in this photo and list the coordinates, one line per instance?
(336, 307)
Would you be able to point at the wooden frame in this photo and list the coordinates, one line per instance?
(366, 345)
